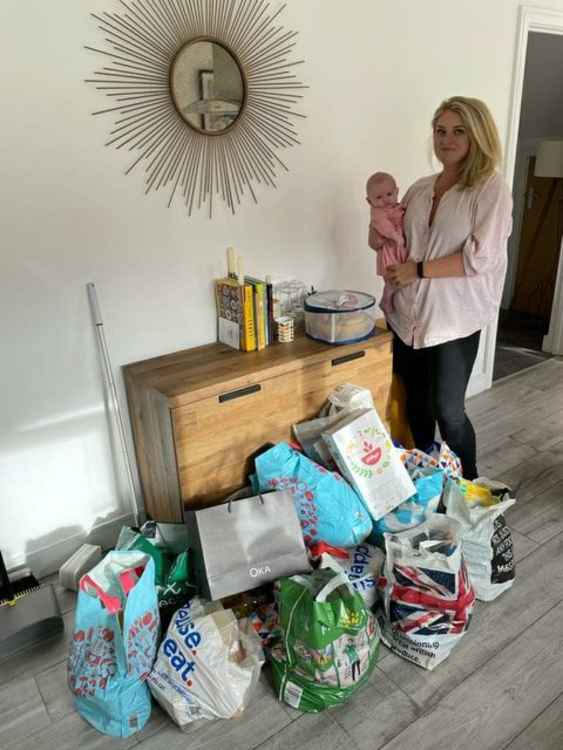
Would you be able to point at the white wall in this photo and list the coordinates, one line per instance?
(541, 117)
(377, 70)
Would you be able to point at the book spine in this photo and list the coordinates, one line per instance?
(248, 319)
(261, 328)
(270, 296)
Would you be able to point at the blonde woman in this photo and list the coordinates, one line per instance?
(457, 224)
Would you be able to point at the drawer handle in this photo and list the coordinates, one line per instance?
(238, 394)
(348, 358)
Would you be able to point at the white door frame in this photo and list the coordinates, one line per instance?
(544, 21)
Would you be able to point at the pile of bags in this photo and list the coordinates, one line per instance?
(340, 541)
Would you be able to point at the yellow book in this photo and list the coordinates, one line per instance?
(249, 332)
(259, 288)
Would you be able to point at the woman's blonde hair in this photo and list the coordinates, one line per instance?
(485, 150)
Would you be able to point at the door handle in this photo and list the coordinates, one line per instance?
(530, 200)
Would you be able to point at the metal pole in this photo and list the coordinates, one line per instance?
(110, 382)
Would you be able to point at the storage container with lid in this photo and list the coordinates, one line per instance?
(339, 316)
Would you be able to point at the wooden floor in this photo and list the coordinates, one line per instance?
(501, 688)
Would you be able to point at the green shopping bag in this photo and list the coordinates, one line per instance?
(330, 641)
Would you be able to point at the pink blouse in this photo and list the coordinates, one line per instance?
(476, 221)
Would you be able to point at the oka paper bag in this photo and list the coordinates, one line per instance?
(243, 544)
(364, 453)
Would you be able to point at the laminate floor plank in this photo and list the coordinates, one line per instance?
(310, 732)
(500, 459)
(73, 733)
(264, 717)
(540, 472)
(500, 699)
(40, 657)
(545, 732)
(53, 686)
(22, 712)
(540, 518)
(376, 713)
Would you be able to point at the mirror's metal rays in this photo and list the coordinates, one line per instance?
(203, 92)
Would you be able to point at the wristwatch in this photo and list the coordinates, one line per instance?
(420, 269)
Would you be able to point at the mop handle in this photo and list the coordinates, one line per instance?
(98, 322)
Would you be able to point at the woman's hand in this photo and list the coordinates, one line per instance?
(401, 275)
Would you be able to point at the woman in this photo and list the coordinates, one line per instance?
(457, 224)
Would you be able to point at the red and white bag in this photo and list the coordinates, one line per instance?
(427, 596)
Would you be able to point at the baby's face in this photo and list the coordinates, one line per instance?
(383, 193)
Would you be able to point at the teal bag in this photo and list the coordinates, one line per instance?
(114, 643)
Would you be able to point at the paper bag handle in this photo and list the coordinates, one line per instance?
(229, 504)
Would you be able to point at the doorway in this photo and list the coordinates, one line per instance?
(531, 291)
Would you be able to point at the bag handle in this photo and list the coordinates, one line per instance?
(111, 603)
(340, 579)
(229, 504)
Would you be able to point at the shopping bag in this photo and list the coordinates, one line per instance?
(427, 595)
(487, 541)
(114, 643)
(413, 511)
(207, 667)
(439, 456)
(363, 451)
(328, 508)
(362, 565)
(330, 641)
(171, 574)
(240, 545)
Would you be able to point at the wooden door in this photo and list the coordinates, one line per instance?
(540, 241)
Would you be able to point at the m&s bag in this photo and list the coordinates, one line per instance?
(114, 643)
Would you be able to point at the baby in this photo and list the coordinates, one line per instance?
(386, 228)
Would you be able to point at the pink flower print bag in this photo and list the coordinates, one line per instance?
(114, 643)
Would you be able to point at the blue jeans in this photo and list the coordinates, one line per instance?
(435, 380)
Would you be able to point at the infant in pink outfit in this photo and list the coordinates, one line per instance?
(386, 235)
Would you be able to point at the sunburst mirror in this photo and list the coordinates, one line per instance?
(203, 92)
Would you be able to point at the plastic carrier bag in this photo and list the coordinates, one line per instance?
(207, 667)
(114, 643)
(328, 508)
(428, 599)
(440, 456)
(413, 511)
(362, 565)
(487, 541)
(330, 641)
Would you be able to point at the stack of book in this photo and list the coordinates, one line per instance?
(246, 308)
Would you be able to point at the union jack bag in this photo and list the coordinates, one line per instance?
(427, 595)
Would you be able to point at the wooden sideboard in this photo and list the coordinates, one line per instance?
(198, 415)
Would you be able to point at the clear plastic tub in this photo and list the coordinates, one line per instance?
(339, 316)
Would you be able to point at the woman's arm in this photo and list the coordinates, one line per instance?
(482, 252)
(441, 268)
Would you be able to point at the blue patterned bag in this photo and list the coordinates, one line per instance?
(328, 508)
(114, 643)
(413, 511)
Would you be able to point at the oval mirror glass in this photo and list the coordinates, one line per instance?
(207, 86)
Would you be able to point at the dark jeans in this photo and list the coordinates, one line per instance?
(435, 380)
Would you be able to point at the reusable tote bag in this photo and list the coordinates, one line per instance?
(114, 643)
(330, 641)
